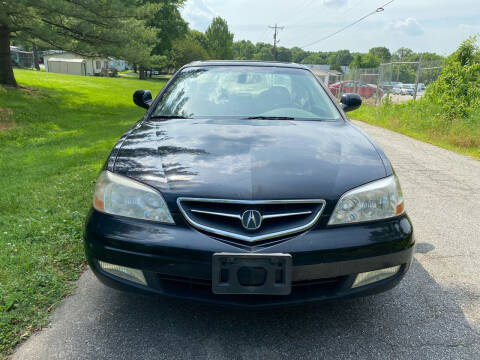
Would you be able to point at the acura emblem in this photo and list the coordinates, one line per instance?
(251, 219)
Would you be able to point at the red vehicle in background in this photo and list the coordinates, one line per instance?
(349, 86)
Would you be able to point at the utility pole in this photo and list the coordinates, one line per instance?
(275, 39)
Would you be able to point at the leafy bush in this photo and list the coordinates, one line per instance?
(457, 90)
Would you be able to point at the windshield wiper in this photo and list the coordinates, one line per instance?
(168, 117)
(270, 118)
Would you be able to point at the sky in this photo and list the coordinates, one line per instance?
(422, 25)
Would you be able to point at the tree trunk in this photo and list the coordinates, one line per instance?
(35, 57)
(142, 74)
(6, 70)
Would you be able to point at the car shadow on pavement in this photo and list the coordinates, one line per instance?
(424, 248)
(416, 319)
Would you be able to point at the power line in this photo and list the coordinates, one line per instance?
(303, 5)
(300, 10)
(377, 10)
(313, 13)
(275, 39)
(304, 18)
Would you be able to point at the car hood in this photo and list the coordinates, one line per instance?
(249, 159)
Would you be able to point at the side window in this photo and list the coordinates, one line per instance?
(98, 64)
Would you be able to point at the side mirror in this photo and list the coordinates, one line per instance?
(143, 98)
(350, 101)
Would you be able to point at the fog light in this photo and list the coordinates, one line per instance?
(373, 276)
(124, 272)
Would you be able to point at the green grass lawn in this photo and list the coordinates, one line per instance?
(54, 137)
(424, 123)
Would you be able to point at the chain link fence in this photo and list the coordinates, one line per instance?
(400, 81)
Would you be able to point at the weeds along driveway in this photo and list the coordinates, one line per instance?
(433, 314)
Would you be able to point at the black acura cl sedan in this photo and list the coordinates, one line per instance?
(246, 184)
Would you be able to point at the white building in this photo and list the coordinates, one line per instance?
(69, 63)
(325, 74)
(119, 65)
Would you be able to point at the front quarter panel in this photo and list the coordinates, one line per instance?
(386, 162)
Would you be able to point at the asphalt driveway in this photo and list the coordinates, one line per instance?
(433, 314)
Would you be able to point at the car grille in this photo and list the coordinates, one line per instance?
(251, 220)
(322, 283)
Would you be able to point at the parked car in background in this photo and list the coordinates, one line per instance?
(403, 89)
(358, 87)
(397, 89)
(245, 183)
(389, 85)
(408, 89)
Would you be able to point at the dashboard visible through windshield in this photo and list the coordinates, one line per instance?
(246, 92)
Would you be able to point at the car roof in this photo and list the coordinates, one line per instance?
(246, 63)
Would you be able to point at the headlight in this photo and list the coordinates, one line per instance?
(377, 200)
(119, 195)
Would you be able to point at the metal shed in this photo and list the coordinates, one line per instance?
(67, 66)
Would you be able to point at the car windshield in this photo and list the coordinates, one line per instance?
(246, 92)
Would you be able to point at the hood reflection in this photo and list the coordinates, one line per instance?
(249, 159)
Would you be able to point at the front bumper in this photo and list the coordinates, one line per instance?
(177, 260)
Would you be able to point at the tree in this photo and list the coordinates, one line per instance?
(199, 38)
(170, 26)
(370, 60)
(220, 40)
(298, 54)
(185, 51)
(243, 50)
(336, 67)
(382, 53)
(260, 45)
(169, 23)
(340, 57)
(265, 54)
(428, 57)
(402, 54)
(365, 61)
(284, 54)
(263, 51)
(86, 27)
(356, 62)
(318, 58)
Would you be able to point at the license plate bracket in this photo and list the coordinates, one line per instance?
(258, 274)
